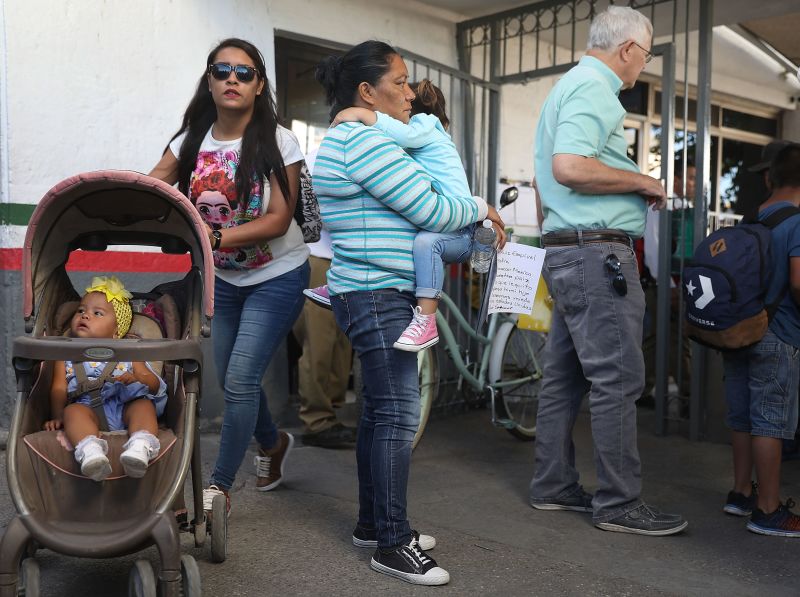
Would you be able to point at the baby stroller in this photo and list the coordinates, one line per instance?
(58, 508)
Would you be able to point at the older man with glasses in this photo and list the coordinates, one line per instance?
(593, 200)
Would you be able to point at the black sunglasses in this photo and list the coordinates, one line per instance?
(614, 267)
(222, 70)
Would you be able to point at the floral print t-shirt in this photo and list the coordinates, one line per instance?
(212, 189)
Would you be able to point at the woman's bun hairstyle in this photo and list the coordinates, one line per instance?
(340, 76)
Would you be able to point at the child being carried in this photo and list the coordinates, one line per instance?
(426, 140)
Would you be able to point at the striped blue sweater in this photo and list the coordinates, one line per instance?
(374, 199)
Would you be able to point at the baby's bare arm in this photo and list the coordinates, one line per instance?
(58, 397)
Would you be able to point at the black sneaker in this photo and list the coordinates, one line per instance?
(781, 523)
(645, 520)
(581, 501)
(739, 504)
(367, 537)
(336, 436)
(411, 564)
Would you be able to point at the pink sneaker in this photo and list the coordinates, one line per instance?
(420, 333)
(319, 295)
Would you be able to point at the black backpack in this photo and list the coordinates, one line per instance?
(726, 282)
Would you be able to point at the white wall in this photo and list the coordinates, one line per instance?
(104, 84)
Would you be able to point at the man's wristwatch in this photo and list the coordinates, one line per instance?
(217, 235)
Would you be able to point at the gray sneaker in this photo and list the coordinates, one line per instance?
(645, 520)
(580, 501)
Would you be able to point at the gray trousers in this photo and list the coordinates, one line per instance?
(594, 346)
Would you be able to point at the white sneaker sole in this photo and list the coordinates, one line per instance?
(434, 576)
(317, 299)
(560, 507)
(426, 543)
(607, 526)
(274, 484)
(134, 467)
(753, 528)
(415, 347)
(735, 511)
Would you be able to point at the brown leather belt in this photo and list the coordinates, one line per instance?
(563, 238)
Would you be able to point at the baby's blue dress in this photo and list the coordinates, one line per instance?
(115, 393)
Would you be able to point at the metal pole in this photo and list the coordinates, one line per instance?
(664, 292)
(703, 164)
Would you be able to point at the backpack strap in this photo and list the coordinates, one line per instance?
(93, 388)
(772, 221)
(775, 218)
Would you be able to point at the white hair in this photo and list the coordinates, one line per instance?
(616, 25)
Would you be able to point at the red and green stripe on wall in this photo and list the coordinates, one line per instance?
(18, 214)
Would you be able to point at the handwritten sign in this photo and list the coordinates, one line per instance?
(519, 268)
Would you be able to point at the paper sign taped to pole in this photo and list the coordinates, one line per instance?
(518, 269)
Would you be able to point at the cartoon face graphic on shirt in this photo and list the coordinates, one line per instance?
(215, 209)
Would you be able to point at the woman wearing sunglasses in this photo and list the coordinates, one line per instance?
(242, 171)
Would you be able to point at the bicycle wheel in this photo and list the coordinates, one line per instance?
(517, 354)
(428, 368)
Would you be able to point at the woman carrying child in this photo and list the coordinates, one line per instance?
(374, 200)
(425, 139)
(242, 172)
(133, 396)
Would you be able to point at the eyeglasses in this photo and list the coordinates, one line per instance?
(221, 71)
(648, 55)
(614, 268)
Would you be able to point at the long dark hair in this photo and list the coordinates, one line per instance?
(429, 100)
(260, 155)
(341, 75)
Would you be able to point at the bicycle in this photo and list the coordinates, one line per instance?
(506, 372)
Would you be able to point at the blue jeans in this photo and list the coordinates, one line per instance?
(249, 324)
(594, 346)
(373, 320)
(761, 383)
(431, 251)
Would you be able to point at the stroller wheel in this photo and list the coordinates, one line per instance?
(29, 578)
(219, 528)
(190, 578)
(142, 580)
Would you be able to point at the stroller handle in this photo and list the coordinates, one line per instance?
(186, 353)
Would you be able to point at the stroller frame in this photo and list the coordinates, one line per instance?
(174, 225)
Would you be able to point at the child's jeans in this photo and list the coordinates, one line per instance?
(431, 251)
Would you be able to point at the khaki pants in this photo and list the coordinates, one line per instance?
(324, 367)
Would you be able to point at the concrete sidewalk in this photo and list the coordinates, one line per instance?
(469, 489)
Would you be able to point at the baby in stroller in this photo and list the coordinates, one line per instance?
(88, 396)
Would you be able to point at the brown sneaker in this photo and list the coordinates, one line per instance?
(269, 463)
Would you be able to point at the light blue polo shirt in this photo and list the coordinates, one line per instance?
(582, 115)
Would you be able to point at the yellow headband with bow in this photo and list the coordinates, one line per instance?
(117, 297)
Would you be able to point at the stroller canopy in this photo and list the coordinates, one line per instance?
(110, 207)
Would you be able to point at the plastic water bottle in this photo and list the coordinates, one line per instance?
(483, 248)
